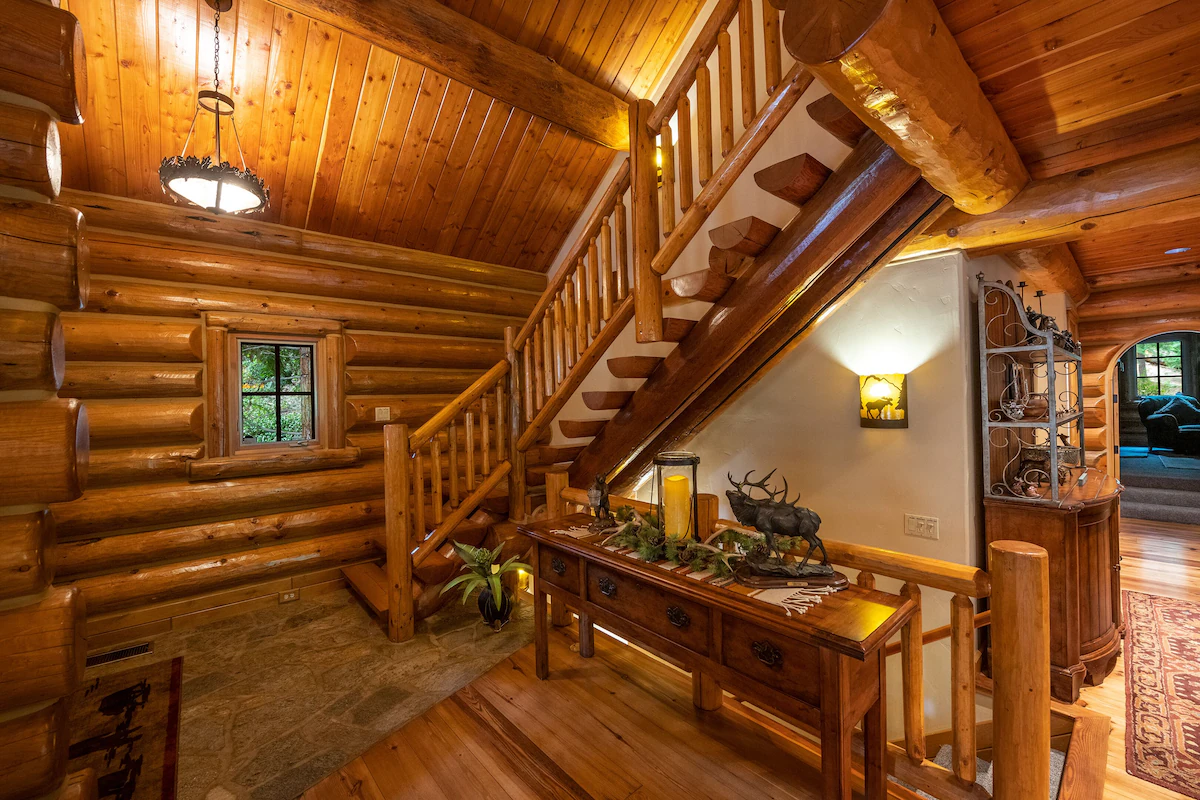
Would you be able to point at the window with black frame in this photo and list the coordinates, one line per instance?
(1159, 368)
(278, 399)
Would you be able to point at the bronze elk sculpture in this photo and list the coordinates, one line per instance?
(773, 516)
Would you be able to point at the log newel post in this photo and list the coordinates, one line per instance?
(556, 481)
(647, 284)
(516, 456)
(1021, 669)
(398, 526)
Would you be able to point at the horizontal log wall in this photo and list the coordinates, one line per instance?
(416, 330)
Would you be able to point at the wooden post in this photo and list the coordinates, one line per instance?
(556, 481)
(962, 685)
(1020, 669)
(516, 456)
(647, 286)
(398, 526)
(912, 667)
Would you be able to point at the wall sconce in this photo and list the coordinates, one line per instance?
(883, 401)
(675, 481)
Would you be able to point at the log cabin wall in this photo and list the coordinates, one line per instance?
(171, 529)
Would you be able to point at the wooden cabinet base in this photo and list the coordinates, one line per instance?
(1085, 592)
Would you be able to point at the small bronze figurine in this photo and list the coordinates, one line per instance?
(773, 517)
(598, 501)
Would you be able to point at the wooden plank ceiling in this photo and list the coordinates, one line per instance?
(1082, 82)
(349, 138)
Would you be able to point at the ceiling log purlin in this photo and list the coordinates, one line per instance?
(356, 141)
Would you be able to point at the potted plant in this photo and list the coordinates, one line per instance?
(484, 573)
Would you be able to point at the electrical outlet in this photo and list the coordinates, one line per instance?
(290, 596)
(921, 527)
(383, 414)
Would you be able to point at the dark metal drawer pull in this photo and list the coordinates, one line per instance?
(607, 587)
(678, 617)
(767, 653)
(558, 565)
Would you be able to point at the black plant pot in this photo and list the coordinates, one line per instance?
(495, 616)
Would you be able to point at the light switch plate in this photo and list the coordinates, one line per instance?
(921, 527)
(383, 414)
(289, 596)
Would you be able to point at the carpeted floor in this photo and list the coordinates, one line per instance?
(275, 700)
(1162, 689)
(1155, 490)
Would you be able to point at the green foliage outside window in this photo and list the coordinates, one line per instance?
(1159, 368)
(277, 392)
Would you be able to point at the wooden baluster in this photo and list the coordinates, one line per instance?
(704, 140)
(529, 379)
(452, 446)
(606, 270)
(398, 532)
(622, 250)
(501, 418)
(548, 356)
(666, 202)
(539, 379)
(572, 330)
(962, 686)
(470, 417)
(771, 52)
(485, 455)
(559, 345)
(912, 667)
(647, 284)
(435, 478)
(746, 56)
(683, 152)
(725, 87)
(581, 304)
(866, 580)
(593, 291)
(419, 495)
(516, 475)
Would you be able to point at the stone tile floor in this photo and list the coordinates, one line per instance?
(275, 700)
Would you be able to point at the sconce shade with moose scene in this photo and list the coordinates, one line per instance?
(883, 401)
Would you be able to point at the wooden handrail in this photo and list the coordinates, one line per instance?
(616, 188)
(571, 381)
(438, 537)
(706, 42)
(981, 620)
(450, 412)
(953, 578)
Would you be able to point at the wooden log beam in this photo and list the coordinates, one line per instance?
(101, 380)
(458, 47)
(156, 584)
(898, 67)
(30, 150)
(1130, 330)
(103, 512)
(412, 410)
(104, 554)
(1159, 187)
(190, 224)
(1052, 269)
(26, 553)
(832, 116)
(96, 337)
(275, 463)
(866, 185)
(183, 262)
(143, 422)
(116, 295)
(116, 466)
(42, 58)
(383, 350)
(390, 380)
(33, 750)
(870, 253)
(42, 649)
(32, 354)
(1164, 300)
(43, 254)
(43, 451)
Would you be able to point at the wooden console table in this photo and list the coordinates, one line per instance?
(825, 668)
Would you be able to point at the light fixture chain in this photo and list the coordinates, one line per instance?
(217, 50)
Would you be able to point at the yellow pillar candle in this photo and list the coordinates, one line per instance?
(677, 505)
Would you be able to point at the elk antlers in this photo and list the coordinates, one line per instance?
(762, 484)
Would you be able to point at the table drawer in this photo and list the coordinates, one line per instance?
(559, 568)
(788, 665)
(669, 615)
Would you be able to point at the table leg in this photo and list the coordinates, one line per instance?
(875, 741)
(706, 692)
(541, 644)
(560, 614)
(587, 636)
(835, 729)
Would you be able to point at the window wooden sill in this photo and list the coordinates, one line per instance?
(274, 462)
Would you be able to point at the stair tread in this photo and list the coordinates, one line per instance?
(580, 428)
(794, 179)
(704, 285)
(370, 583)
(833, 116)
(551, 454)
(748, 235)
(436, 569)
(633, 366)
(675, 328)
(606, 401)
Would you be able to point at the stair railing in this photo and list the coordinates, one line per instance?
(662, 134)
(457, 458)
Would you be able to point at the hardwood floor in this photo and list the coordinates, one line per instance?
(1158, 558)
(622, 725)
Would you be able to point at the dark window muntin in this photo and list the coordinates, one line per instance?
(1158, 359)
(278, 393)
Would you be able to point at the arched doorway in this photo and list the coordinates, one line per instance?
(1154, 383)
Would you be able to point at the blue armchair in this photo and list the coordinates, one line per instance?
(1172, 422)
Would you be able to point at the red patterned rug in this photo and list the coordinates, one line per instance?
(1162, 691)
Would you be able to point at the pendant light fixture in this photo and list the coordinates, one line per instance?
(209, 182)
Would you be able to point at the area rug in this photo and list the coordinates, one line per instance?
(1162, 691)
(1180, 462)
(126, 727)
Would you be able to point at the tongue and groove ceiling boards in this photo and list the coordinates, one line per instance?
(353, 140)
